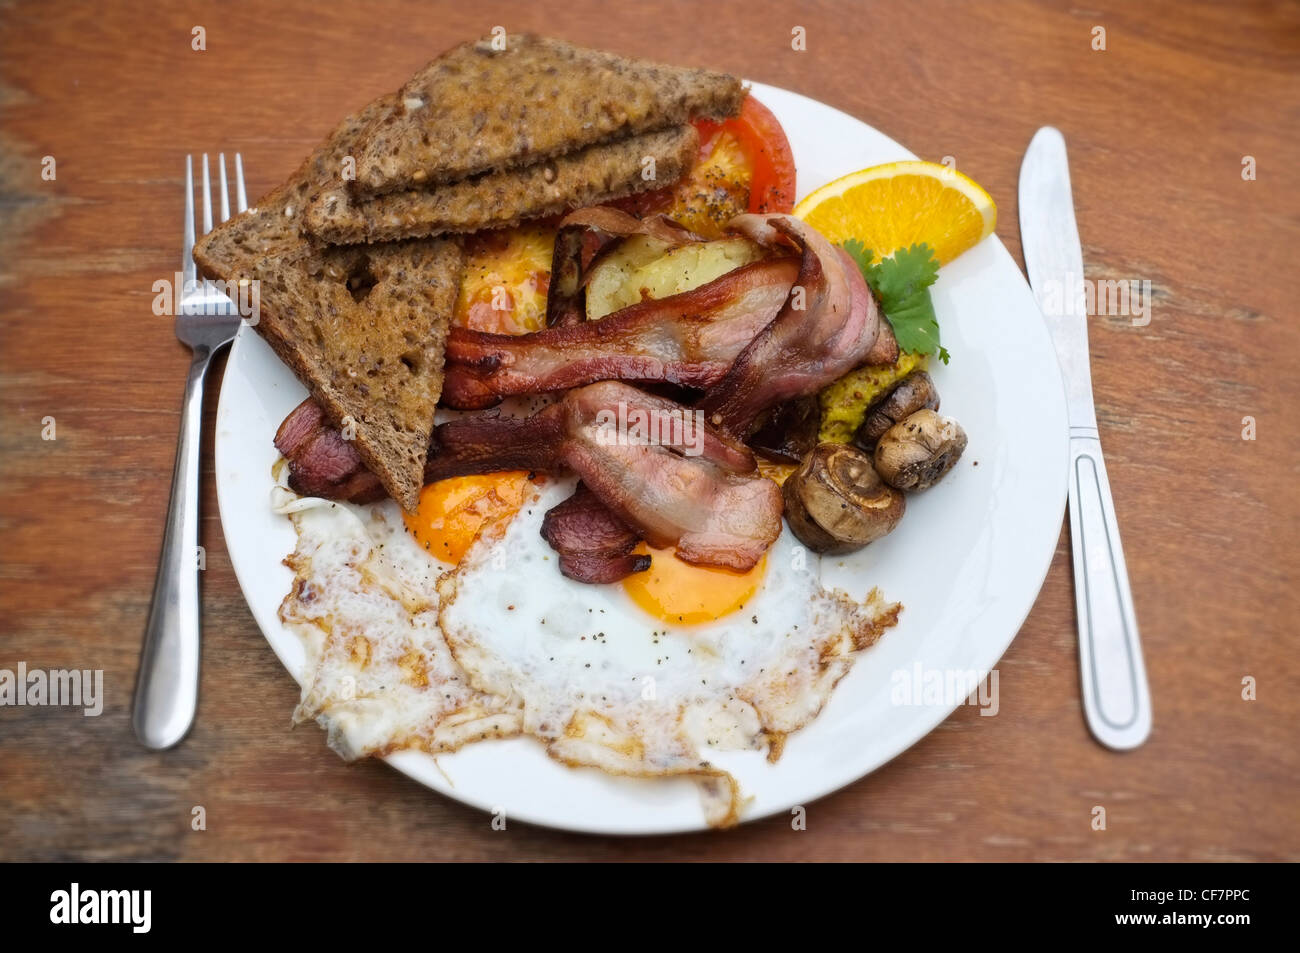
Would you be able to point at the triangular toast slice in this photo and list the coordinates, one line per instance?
(590, 176)
(363, 328)
(480, 109)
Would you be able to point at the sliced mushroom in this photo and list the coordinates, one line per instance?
(914, 392)
(915, 453)
(837, 503)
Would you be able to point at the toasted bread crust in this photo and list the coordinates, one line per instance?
(593, 175)
(363, 328)
(539, 98)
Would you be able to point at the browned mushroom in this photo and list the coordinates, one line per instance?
(914, 392)
(836, 503)
(915, 453)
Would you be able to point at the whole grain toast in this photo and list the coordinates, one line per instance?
(590, 176)
(363, 328)
(477, 108)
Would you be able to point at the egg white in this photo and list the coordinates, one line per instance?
(380, 676)
(603, 683)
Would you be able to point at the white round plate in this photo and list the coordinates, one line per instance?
(967, 561)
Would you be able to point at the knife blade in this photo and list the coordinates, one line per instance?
(1116, 697)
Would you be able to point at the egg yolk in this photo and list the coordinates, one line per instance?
(682, 594)
(451, 512)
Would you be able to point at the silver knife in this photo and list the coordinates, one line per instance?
(1116, 699)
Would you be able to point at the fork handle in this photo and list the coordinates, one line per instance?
(1116, 699)
(167, 688)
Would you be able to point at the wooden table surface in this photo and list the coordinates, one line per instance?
(1158, 125)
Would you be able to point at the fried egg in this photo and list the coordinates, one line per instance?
(435, 629)
(610, 677)
(379, 674)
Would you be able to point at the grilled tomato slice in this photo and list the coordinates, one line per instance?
(745, 165)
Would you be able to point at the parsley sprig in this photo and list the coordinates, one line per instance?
(901, 284)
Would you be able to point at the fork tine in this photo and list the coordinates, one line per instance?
(188, 269)
(207, 197)
(225, 193)
(241, 199)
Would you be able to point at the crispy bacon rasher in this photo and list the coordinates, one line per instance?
(689, 339)
(826, 328)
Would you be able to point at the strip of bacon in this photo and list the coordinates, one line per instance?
(321, 462)
(617, 223)
(826, 328)
(607, 413)
(696, 496)
(688, 339)
(594, 545)
(488, 443)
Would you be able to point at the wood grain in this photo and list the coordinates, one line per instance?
(1158, 125)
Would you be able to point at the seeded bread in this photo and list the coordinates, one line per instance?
(588, 177)
(363, 328)
(477, 109)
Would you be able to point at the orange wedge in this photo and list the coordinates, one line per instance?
(892, 206)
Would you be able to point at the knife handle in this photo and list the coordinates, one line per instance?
(1116, 699)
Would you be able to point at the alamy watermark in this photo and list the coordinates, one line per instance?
(944, 687)
(76, 688)
(678, 427)
(77, 905)
(175, 295)
(1076, 295)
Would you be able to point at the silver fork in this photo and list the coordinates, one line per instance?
(167, 688)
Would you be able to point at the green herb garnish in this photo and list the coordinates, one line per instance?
(901, 284)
